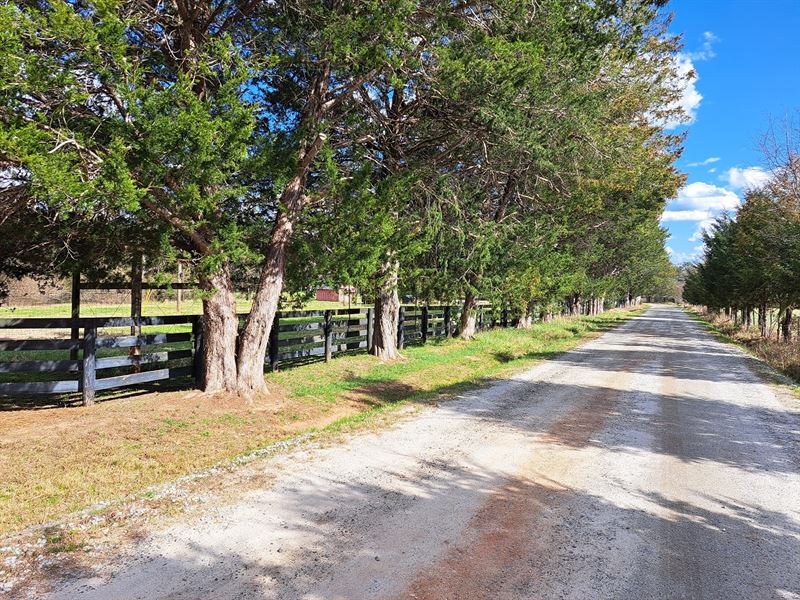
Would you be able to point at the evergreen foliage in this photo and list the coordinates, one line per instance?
(503, 150)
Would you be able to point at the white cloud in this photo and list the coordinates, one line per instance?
(686, 80)
(746, 178)
(701, 202)
(708, 161)
(685, 215)
(705, 196)
(706, 51)
(703, 226)
(714, 170)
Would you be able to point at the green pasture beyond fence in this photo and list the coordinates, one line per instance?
(86, 355)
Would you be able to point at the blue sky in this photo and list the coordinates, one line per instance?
(746, 56)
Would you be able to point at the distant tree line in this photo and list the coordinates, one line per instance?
(506, 150)
(752, 261)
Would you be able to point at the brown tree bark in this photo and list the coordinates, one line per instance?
(258, 325)
(220, 325)
(469, 316)
(255, 334)
(786, 325)
(387, 309)
(762, 319)
(526, 320)
(575, 306)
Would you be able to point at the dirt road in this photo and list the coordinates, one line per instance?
(649, 464)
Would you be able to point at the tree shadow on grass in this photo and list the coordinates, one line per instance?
(49, 402)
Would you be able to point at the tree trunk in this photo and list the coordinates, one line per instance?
(762, 319)
(387, 309)
(468, 316)
(257, 327)
(526, 320)
(220, 326)
(786, 325)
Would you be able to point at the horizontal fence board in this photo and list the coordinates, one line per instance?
(16, 345)
(129, 341)
(40, 366)
(348, 339)
(148, 358)
(69, 323)
(355, 345)
(36, 323)
(349, 329)
(127, 285)
(108, 383)
(302, 353)
(39, 387)
(309, 326)
(301, 341)
(289, 314)
(348, 321)
(170, 320)
(292, 347)
(293, 335)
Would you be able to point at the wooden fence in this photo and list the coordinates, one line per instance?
(104, 358)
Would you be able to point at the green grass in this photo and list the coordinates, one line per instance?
(454, 364)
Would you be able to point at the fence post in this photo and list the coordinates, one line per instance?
(75, 333)
(505, 315)
(448, 326)
(198, 364)
(425, 324)
(400, 337)
(136, 310)
(273, 343)
(89, 364)
(369, 330)
(328, 335)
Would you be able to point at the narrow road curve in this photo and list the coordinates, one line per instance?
(650, 463)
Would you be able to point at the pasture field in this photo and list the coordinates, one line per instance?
(149, 308)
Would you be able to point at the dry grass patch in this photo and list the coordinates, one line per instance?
(777, 354)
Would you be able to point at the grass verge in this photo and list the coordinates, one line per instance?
(57, 461)
(782, 357)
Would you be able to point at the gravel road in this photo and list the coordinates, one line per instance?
(650, 463)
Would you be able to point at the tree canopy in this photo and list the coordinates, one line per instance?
(752, 259)
(501, 150)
